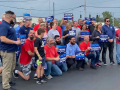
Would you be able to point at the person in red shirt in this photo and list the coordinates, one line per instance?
(80, 23)
(27, 52)
(85, 46)
(40, 20)
(118, 46)
(51, 56)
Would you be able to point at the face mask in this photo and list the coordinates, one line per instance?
(58, 43)
(31, 38)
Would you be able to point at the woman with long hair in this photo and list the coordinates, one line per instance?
(95, 37)
(65, 33)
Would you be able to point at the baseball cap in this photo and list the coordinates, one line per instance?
(93, 19)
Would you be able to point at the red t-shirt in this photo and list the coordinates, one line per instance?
(37, 26)
(51, 52)
(83, 46)
(117, 35)
(59, 30)
(88, 30)
(25, 58)
(79, 27)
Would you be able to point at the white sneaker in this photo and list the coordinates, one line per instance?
(112, 63)
(49, 77)
(105, 64)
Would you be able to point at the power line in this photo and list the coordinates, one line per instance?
(102, 7)
(16, 0)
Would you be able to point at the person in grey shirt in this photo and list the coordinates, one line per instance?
(77, 31)
(83, 29)
(53, 32)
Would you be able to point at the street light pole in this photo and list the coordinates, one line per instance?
(85, 7)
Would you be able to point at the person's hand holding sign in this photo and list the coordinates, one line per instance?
(88, 48)
(97, 37)
(73, 56)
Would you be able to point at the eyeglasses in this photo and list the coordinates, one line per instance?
(107, 21)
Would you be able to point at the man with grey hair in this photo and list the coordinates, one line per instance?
(9, 44)
(80, 23)
(3, 17)
(51, 56)
(25, 28)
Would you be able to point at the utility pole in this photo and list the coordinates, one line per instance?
(85, 7)
(53, 10)
(113, 19)
(49, 7)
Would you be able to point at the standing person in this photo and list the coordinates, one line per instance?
(9, 44)
(83, 29)
(40, 20)
(27, 52)
(40, 56)
(65, 33)
(92, 27)
(19, 26)
(53, 32)
(80, 23)
(25, 28)
(110, 31)
(118, 46)
(85, 46)
(63, 24)
(77, 31)
(95, 37)
(71, 49)
(58, 28)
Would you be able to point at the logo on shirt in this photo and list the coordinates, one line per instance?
(42, 44)
(111, 27)
(25, 30)
(10, 27)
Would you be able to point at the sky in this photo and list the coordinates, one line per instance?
(40, 8)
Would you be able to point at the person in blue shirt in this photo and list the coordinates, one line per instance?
(110, 31)
(9, 44)
(71, 49)
(25, 28)
(18, 27)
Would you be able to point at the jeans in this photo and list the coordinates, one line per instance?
(110, 47)
(80, 64)
(70, 62)
(92, 56)
(98, 53)
(62, 66)
(52, 69)
(118, 52)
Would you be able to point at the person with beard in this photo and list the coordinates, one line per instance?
(65, 33)
(27, 52)
(71, 49)
(51, 56)
(9, 44)
(62, 66)
(80, 23)
(25, 28)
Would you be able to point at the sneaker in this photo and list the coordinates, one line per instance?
(49, 77)
(81, 69)
(112, 63)
(43, 81)
(38, 81)
(15, 74)
(105, 64)
(99, 65)
(10, 89)
(118, 63)
(35, 77)
(12, 83)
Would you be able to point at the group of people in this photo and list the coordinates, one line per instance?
(46, 52)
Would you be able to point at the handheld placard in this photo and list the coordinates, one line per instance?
(80, 55)
(94, 48)
(68, 16)
(61, 49)
(82, 34)
(22, 39)
(49, 19)
(72, 33)
(62, 59)
(103, 38)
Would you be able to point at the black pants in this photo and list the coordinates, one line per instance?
(110, 47)
(71, 61)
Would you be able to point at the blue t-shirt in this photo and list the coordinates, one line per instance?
(63, 28)
(7, 30)
(17, 29)
(24, 30)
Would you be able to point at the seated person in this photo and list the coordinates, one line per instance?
(51, 56)
(27, 52)
(62, 66)
(71, 49)
(85, 46)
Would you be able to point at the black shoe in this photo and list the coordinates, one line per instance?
(118, 63)
(38, 81)
(93, 67)
(10, 89)
(81, 69)
(35, 77)
(12, 83)
(15, 74)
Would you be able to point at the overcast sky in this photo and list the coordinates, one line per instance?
(60, 5)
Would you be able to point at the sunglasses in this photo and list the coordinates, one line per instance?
(107, 21)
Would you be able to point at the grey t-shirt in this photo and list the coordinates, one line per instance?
(77, 33)
(53, 33)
